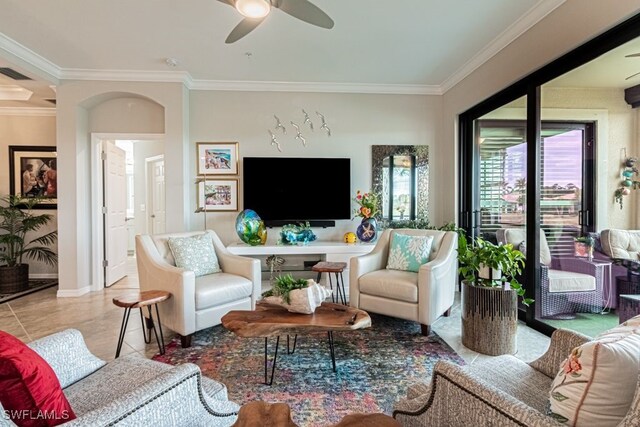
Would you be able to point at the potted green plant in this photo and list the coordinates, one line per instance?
(17, 219)
(490, 292)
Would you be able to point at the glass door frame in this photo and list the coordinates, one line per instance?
(468, 161)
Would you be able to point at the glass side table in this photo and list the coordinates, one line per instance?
(585, 265)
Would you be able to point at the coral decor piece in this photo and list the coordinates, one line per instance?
(296, 234)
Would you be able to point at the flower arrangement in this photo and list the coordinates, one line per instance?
(368, 203)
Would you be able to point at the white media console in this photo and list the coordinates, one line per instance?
(299, 258)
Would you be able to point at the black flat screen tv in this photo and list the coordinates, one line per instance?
(290, 189)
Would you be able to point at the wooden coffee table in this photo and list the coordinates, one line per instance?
(269, 320)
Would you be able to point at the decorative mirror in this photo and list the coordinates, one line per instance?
(400, 177)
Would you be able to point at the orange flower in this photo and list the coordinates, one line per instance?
(365, 211)
(572, 364)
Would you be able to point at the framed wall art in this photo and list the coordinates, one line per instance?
(33, 172)
(217, 158)
(218, 195)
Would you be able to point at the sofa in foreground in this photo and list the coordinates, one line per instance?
(578, 381)
(131, 390)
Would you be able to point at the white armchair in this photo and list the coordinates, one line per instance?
(421, 297)
(197, 302)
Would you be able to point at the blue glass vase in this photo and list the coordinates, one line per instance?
(367, 229)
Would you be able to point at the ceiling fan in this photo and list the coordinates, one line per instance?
(633, 55)
(255, 11)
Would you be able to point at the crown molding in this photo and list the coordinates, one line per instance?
(515, 30)
(55, 73)
(125, 75)
(27, 111)
(29, 59)
(267, 86)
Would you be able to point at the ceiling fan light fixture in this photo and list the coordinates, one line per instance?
(253, 8)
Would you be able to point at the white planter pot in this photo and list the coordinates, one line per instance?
(484, 273)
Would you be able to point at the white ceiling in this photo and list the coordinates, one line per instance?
(401, 42)
(401, 46)
(606, 71)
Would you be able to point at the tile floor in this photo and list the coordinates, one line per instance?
(41, 314)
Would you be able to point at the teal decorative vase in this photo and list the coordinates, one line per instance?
(250, 228)
(367, 229)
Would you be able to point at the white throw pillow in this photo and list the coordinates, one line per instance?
(195, 253)
(597, 381)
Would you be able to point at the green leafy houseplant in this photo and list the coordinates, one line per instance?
(16, 220)
(479, 253)
(284, 285)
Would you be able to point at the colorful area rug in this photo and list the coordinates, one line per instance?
(374, 368)
(34, 286)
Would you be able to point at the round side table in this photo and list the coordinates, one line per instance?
(138, 300)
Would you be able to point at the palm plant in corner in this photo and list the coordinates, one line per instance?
(17, 221)
(490, 292)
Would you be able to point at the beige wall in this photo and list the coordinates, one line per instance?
(567, 27)
(357, 122)
(28, 130)
(78, 109)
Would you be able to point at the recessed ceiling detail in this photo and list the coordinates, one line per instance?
(13, 74)
(14, 93)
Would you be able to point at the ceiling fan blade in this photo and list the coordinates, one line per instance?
(242, 29)
(229, 2)
(305, 11)
(633, 55)
(632, 75)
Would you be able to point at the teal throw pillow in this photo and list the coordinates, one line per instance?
(195, 253)
(408, 253)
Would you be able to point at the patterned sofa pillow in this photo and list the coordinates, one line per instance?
(195, 253)
(597, 381)
(408, 253)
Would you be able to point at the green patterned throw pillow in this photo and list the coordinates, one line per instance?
(408, 253)
(195, 253)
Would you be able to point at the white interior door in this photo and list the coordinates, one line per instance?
(115, 202)
(156, 195)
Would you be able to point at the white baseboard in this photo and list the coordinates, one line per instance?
(70, 293)
(44, 276)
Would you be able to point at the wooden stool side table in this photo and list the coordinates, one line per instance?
(138, 300)
(336, 268)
